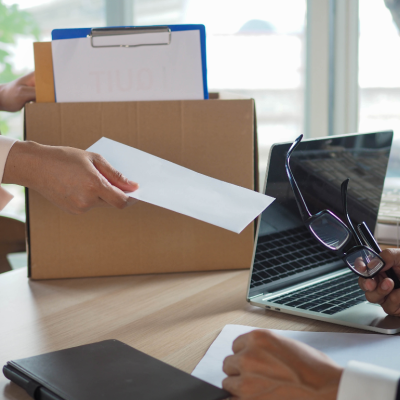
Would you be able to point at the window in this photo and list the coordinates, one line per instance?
(255, 48)
(379, 77)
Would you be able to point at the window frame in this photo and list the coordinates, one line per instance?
(331, 92)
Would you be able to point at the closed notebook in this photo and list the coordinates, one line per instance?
(106, 370)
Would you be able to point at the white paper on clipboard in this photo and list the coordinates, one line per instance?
(83, 73)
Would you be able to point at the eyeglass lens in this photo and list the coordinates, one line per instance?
(329, 231)
(364, 262)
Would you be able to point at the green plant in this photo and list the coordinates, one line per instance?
(13, 22)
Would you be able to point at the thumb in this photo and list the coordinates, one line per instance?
(112, 175)
(391, 258)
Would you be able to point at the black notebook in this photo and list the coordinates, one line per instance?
(106, 370)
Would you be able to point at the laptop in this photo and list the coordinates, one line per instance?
(291, 272)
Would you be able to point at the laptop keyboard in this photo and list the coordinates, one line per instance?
(329, 297)
(280, 255)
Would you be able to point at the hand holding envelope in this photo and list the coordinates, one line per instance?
(182, 190)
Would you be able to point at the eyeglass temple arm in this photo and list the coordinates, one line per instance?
(344, 201)
(301, 204)
(368, 237)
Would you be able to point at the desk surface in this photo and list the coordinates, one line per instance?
(173, 317)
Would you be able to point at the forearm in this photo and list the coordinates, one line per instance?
(23, 163)
(5, 145)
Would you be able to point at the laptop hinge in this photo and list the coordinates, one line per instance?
(258, 295)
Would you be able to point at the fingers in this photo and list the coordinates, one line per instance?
(114, 184)
(391, 304)
(391, 258)
(112, 175)
(28, 94)
(257, 387)
(231, 385)
(28, 79)
(112, 195)
(382, 293)
(101, 194)
(240, 343)
(257, 338)
(230, 367)
(368, 285)
(382, 288)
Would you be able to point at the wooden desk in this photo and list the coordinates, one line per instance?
(172, 317)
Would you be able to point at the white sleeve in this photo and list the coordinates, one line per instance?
(368, 382)
(5, 146)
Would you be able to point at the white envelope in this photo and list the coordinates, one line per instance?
(182, 190)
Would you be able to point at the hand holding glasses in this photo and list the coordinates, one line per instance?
(333, 233)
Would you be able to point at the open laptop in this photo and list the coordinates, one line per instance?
(291, 272)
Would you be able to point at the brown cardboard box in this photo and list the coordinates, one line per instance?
(213, 137)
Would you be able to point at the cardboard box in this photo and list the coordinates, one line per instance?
(213, 137)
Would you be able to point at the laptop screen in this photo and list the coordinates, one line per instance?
(286, 253)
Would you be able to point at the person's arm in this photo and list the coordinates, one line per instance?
(379, 289)
(5, 147)
(267, 366)
(73, 179)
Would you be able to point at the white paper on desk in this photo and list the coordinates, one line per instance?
(182, 190)
(84, 73)
(341, 347)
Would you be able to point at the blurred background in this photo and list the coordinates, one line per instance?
(318, 67)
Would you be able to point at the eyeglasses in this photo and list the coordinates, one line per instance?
(330, 231)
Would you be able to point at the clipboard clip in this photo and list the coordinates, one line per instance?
(123, 37)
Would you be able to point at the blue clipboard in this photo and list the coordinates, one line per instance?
(75, 33)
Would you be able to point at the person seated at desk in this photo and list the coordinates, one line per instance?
(266, 366)
(74, 180)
